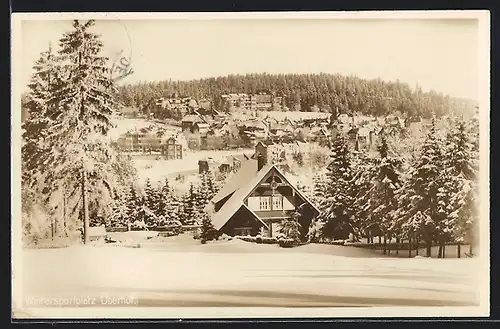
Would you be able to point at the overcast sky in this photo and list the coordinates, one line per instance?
(437, 54)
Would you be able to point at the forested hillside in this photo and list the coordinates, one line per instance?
(307, 92)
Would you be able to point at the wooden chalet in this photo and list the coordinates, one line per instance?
(259, 197)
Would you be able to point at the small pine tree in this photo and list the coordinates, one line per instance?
(290, 227)
(188, 206)
(133, 203)
(208, 231)
(150, 196)
(168, 205)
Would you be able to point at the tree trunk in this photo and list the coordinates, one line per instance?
(416, 245)
(85, 208)
(440, 251)
(379, 239)
(429, 248)
(458, 250)
(52, 226)
(385, 244)
(409, 246)
(444, 250)
(397, 245)
(471, 250)
(64, 216)
(56, 222)
(389, 246)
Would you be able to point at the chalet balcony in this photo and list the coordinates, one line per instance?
(272, 215)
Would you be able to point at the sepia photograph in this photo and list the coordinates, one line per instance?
(250, 165)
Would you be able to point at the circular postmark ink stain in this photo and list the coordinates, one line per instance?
(117, 46)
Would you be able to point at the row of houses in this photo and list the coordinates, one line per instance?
(174, 104)
(277, 152)
(184, 104)
(211, 130)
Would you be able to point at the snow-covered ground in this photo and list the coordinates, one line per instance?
(123, 125)
(234, 273)
(157, 170)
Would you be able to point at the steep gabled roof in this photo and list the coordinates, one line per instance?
(246, 172)
(243, 188)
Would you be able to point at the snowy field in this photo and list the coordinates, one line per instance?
(123, 125)
(181, 272)
(157, 170)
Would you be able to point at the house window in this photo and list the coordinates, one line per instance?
(277, 202)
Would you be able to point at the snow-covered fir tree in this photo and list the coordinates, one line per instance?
(148, 211)
(364, 170)
(150, 196)
(119, 209)
(188, 206)
(378, 202)
(133, 204)
(76, 156)
(208, 231)
(462, 188)
(290, 227)
(168, 205)
(204, 193)
(337, 206)
(125, 174)
(418, 211)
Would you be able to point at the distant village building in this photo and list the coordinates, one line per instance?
(283, 152)
(170, 146)
(205, 104)
(259, 101)
(190, 122)
(129, 112)
(171, 149)
(176, 104)
(258, 198)
(137, 141)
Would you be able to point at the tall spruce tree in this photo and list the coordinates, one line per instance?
(382, 201)
(81, 103)
(419, 200)
(337, 207)
(462, 187)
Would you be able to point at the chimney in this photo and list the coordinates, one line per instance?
(261, 161)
